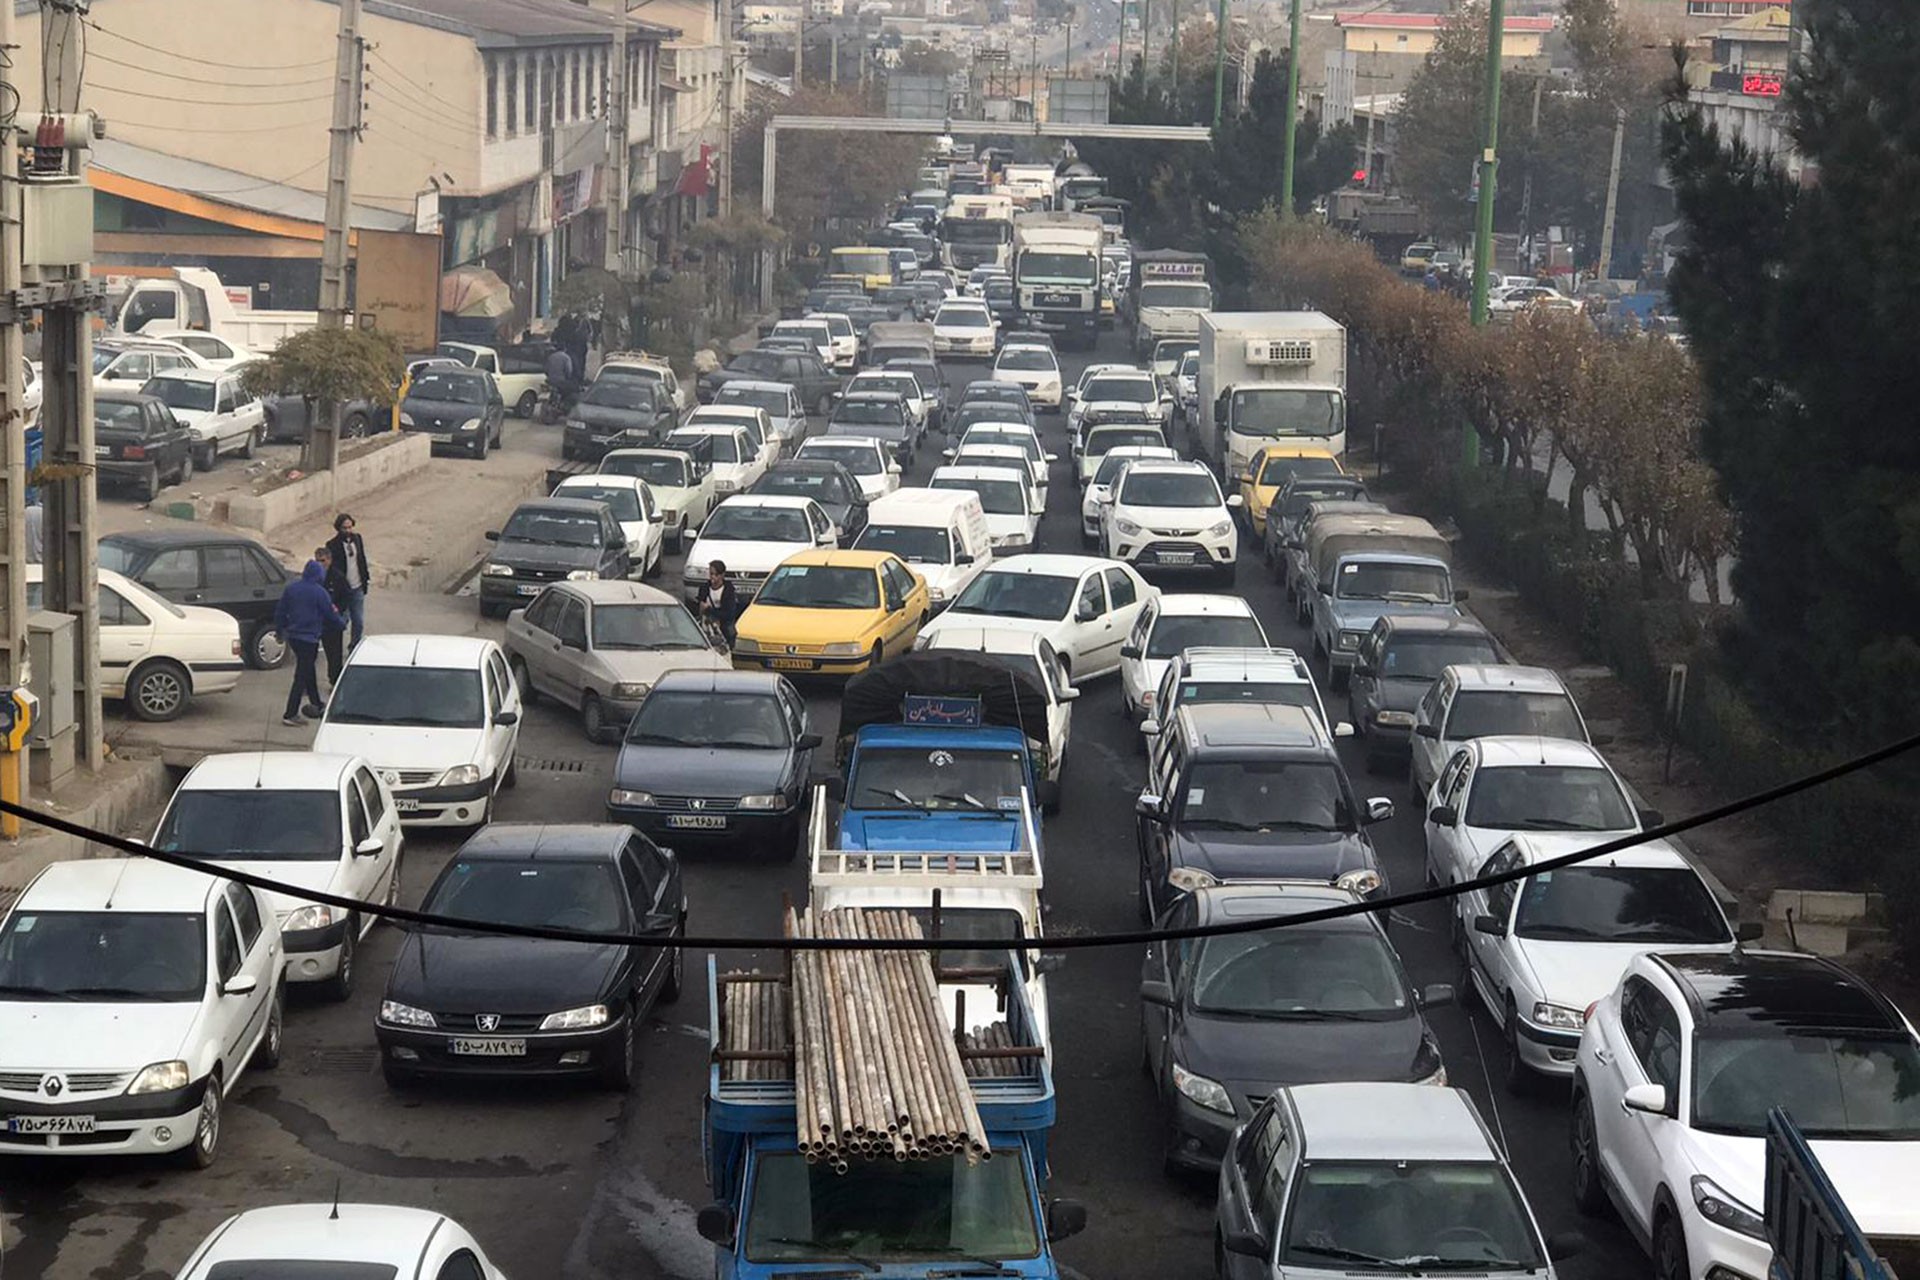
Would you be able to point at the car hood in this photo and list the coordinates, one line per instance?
(1195, 518)
(1254, 1056)
(743, 557)
(645, 666)
(441, 411)
(1245, 855)
(395, 746)
(605, 415)
(191, 417)
(1576, 974)
(1874, 1179)
(948, 832)
(1395, 694)
(318, 874)
(93, 1036)
(1549, 843)
(1360, 615)
(699, 771)
(461, 971)
(543, 555)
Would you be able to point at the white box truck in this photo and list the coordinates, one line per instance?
(1056, 273)
(1269, 376)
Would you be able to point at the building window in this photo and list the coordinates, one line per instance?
(490, 68)
(510, 69)
(573, 85)
(532, 91)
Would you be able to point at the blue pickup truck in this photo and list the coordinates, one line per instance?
(1813, 1235)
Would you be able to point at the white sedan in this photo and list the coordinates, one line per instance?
(1084, 606)
(340, 1240)
(1034, 368)
(737, 462)
(964, 328)
(634, 509)
(1174, 623)
(870, 461)
(156, 654)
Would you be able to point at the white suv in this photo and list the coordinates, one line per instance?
(1171, 515)
(133, 996)
(1677, 1069)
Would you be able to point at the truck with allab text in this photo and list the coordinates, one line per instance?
(1269, 377)
(1168, 291)
(1057, 273)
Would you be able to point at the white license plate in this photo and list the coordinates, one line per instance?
(103, 451)
(528, 588)
(700, 821)
(403, 805)
(490, 1047)
(440, 437)
(1176, 557)
(49, 1124)
(793, 664)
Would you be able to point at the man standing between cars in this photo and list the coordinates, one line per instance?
(719, 601)
(330, 639)
(348, 577)
(305, 613)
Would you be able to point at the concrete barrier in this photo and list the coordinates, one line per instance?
(394, 458)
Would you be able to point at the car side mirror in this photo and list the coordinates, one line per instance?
(1379, 809)
(948, 454)
(493, 535)
(240, 984)
(893, 468)
(1065, 1218)
(507, 719)
(1652, 818)
(1489, 926)
(1049, 962)
(1130, 651)
(1443, 815)
(1650, 1098)
(806, 742)
(659, 921)
(714, 1222)
(1459, 595)
(1085, 613)
(1236, 501)
(1324, 588)
(1344, 729)
(1427, 731)
(1434, 994)
(1150, 806)
(1749, 931)
(836, 789)
(1248, 1244)
(1364, 670)
(1562, 1245)
(1150, 728)
(1157, 992)
(371, 847)
(1051, 457)
(657, 518)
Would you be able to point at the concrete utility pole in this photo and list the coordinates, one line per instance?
(1293, 105)
(1613, 193)
(1146, 34)
(13, 443)
(1068, 53)
(1220, 63)
(730, 68)
(1489, 164)
(799, 45)
(1526, 183)
(833, 58)
(343, 133)
(618, 151)
(1174, 70)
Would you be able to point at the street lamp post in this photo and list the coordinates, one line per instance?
(1483, 231)
(1293, 107)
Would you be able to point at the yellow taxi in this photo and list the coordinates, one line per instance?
(1270, 468)
(832, 612)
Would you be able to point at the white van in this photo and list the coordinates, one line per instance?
(942, 533)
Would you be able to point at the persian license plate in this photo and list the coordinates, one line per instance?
(1176, 557)
(49, 1124)
(528, 588)
(698, 821)
(403, 805)
(440, 437)
(793, 664)
(103, 451)
(489, 1047)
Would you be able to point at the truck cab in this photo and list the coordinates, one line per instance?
(1270, 377)
(1057, 272)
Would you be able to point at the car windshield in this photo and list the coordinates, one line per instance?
(1406, 1216)
(620, 393)
(551, 527)
(729, 720)
(1027, 360)
(998, 289)
(1833, 1085)
(1491, 712)
(900, 384)
(1419, 657)
(886, 1211)
(860, 458)
(824, 487)
(666, 473)
(254, 825)
(859, 262)
(1017, 595)
(926, 374)
(1131, 390)
(102, 955)
(963, 318)
(914, 543)
(742, 522)
(1338, 967)
(1172, 633)
(645, 626)
(622, 500)
(427, 697)
(879, 413)
(1301, 494)
(726, 445)
(820, 586)
(1545, 797)
(1265, 796)
(1173, 352)
(1098, 442)
(178, 393)
(118, 415)
(1284, 693)
(1394, 580)
(997, 497)
(1659, 905)
(1059, 268)
(1196, 296)
(819, 335)
(1276, 470)
(1189, 365)
(1288, 411)
(1110, 466)
(947, 778)
(545, 893)
(1169, 489)
(104, 356)
(455, 388)
(1021, 440)
(776, 403)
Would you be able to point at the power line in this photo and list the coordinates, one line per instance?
(1076, 942)
(462, 135)
(202, 102)
(147, 47)
(465, 129)
(265, 128)
(223, 84)
(257, 186)
(426, 92)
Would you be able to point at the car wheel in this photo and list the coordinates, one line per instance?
(479, 448)
(206, 1126)
(149, 484)
(354, 425)
(517, 668)
(1515, 1075)
(499, 430)
(265, 651)
(205, 457)
(511, 779)
(676, 539)
(652, 568)
(185, 473)
(272, 1046)
(593, 718)
(1669, 1248)
(397, 1077)
(339, 987)
(676, 969)
(526, 404)
(1589, 1193)
(1466, 995)
(616, 1069)
(159, 690)
(245, 451)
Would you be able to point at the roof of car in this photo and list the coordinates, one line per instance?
(166, 537)
(560, 840)
(1377, 1121)
(370, 1233)
(1504, 751)
(1778, 991)
(755, 384)
(402, 650)
(690, 680)
(125, 884)
(1218, 662)
(691, 428)
(1431, 625)
(1229, 725)
(1295, 451)
(987, 640)
(191, 374)
(615, 591)
(1202, 605)
(1518, 679)
(1051, 565)
(1171, 466)
(838, 558)
(564, 506)
(268, 771)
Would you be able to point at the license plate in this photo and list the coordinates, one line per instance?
(793, 664)
(440, 437)
(103, 451)
(601, 439)
(49, 1124)
(490, 1047)
(698, 821)
(528, 588)
(403, 805)
(1176, 557)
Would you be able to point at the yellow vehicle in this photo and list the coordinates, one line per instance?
(874, 267)
(832, 612)
(1417, 258)
(1270, 469)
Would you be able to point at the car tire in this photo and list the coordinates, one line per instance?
(488, 609)
(653, 566)
(207, 457)
(354, 425)
(159, 690)
(517, 668)
(339, 988)
(500, 431)
(273, 1044)
(265, 652)
(479, 448)
(245, 451)
(1515, 1075)
(676, 979)
(1669, 1249)
(205, 1145)
(616, 1068)
(1466, 995)
(185, 473)
(1589, 1192)
(398, 1078)
(149, 484)
(593, 718)
(528, 402)
(511, 778)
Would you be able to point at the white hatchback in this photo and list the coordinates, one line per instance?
(1083, 606)
(752, 533)
(344, 1240)
(1013, 522)
(223, 416)
(737, 462)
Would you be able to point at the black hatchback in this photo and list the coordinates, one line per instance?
(460, 1002)
(222, 571)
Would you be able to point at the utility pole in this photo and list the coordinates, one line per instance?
(1220, 63)
(1613, 193)
(1146, 33)
(833, 57)
(13, 443)
(730, 72)
(342, 134)
(1293, 105)
(799, 45)
(1175, 69)
(1489, 164)
(1526, 185)
(1069, 49)
(617, 152)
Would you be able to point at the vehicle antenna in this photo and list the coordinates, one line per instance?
(334, 1215)
(118, 877)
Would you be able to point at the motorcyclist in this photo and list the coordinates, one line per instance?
(562, 385)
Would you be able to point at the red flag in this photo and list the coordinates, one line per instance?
(696, 179)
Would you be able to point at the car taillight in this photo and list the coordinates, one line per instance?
(236, 646)
(133, 451)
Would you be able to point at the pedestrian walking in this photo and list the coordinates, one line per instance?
(35, 530)
(719, 601)
(330, 640)
(305, 613)
(349, 577)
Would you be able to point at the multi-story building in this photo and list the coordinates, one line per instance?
(1687, 19)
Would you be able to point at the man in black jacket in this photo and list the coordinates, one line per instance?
(348, 576)
(719, 601)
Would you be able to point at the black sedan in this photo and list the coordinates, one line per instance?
(829, 483)
(472, 1004)
(721, 755)
(460, 408)
(193, 564)
(877, 415)
(616, 413)
(1229, 1019)
(546, 541)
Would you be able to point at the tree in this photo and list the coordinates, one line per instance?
(827, 176)
(327, 368)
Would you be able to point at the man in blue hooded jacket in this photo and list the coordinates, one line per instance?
(305, 613)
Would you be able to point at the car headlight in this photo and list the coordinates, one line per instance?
(1722, 1210)
(317, 916)
(1395, 719)
(759, 802)
(630, 799)
(405, 1015)
(670, 513)
(471, 424)
(1363, 881)
(495, 570)
(406, 419)
(1427, 1066)
(936, 593)
(631, 691)
(583, 575)
(1210, 1094)
(1350, 639)
(460, 775)
(742, 644)
(842, 649)
(1558, 1016)
(1126, 526)
(576, 424)
(1221, 530)
(724, 486)
(1146, 700)
(587, 1015)
(160, 1077)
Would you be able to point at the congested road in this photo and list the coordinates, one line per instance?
(568, 1181)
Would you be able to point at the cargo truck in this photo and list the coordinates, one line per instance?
(1031, 184)
(1057, 272)
(1267, 376)
(977, 231)
(1168, 292)
(1812, 1233)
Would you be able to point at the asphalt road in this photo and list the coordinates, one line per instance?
(571, 1182)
